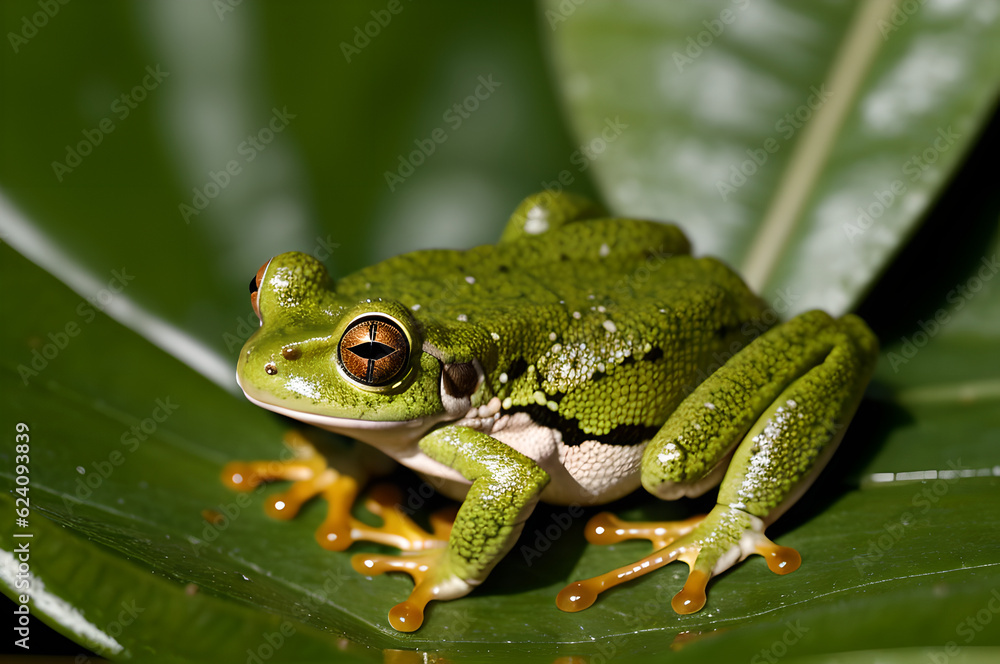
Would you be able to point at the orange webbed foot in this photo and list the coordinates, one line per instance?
(311, 476)
(708, 544)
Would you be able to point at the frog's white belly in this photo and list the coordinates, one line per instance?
(591, 473)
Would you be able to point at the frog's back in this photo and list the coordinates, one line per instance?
(601, 327)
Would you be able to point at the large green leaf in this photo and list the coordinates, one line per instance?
(800, 141)
(118, 519)
(875, 548)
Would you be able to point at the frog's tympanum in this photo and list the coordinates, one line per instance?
(572, 362)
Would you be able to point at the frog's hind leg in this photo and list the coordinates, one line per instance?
(312, 476)
(786, 400)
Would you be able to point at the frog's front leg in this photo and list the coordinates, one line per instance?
(783, 402)
(505, 488)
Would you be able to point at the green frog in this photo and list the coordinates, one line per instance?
(572, 362)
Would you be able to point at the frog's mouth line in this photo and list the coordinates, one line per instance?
(379, 433)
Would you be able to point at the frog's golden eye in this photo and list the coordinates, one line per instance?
(374, 350)
(255, 286)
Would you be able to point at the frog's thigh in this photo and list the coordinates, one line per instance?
(796, 435)
(692, 451)
(807, 380)
(505, 488)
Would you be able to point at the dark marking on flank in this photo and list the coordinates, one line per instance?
(517, 369)
(623, 434)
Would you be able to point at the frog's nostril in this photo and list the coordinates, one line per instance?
(270, 369)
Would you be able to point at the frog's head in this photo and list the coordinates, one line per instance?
(358, 368)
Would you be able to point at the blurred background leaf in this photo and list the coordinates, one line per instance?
(801, 142)
(118, 494)
(319, 185)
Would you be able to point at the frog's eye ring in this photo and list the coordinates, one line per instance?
(255, 287)
(374, 351)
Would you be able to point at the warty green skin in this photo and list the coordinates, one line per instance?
(603, 330)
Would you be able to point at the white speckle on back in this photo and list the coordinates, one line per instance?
(503, 377)
(415, 307)
(494, 336)
(710, 406)
(537, 221)
(470, 280)
(610, 326)
(605, 250)
(552, 336)
(576, 315)
(462, 318)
